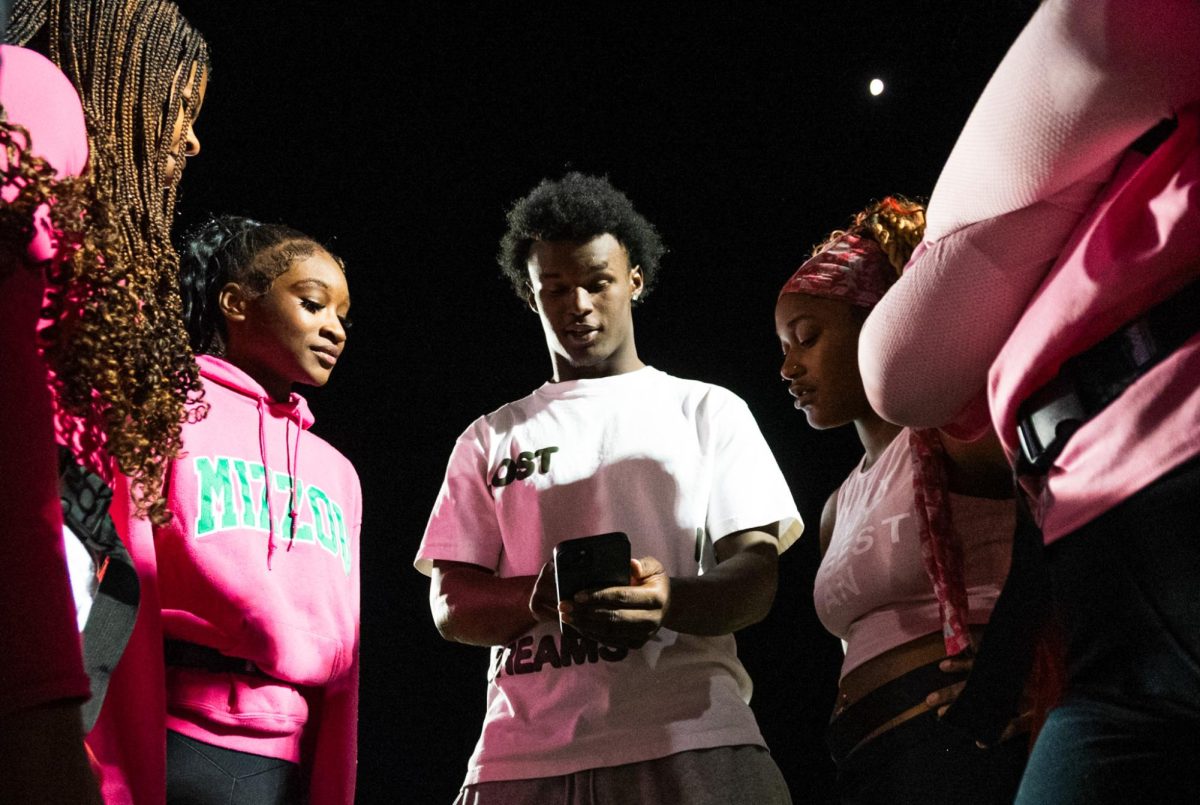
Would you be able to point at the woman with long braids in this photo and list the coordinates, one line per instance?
(120, 369)
(915, 543)
(259, 563)
(122, 372)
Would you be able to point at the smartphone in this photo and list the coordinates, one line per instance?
(591, 563)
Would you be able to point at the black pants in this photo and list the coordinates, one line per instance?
(928, 761)
(203, 774)
(1127, 589)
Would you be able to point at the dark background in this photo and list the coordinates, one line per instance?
(400, 133)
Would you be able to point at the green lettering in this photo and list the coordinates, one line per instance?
(256, 474)
(214, 482)
(247, 502)
(343, 537)
(322, 513)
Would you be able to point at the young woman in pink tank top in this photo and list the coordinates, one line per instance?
(906, 586)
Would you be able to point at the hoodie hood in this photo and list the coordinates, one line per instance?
(222, 371)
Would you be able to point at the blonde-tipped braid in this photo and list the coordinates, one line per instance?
(897, 225)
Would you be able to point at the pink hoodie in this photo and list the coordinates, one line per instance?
(234, 571)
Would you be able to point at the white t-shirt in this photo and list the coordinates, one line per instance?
(676, 465)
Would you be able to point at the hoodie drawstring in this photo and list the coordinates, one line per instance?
(292, 453)
(293, 469)
(262, 449)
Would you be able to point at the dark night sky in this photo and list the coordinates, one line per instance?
(402, 131)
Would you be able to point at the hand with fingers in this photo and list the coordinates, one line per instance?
(941, 699)
(623, 617)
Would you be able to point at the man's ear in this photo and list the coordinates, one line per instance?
(232, 301)
(529, 297)
(637, 281)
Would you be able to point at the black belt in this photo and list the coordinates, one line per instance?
(182, 654)
(1089, 381)
(883, 704)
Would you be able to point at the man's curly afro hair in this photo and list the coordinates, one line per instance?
(577, 208)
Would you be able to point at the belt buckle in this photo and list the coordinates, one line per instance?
(1047, 420)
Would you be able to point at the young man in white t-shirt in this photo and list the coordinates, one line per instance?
(637, 696)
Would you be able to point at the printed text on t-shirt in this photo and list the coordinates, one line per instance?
(524, 465)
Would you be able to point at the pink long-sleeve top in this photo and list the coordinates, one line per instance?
(1045, 234)
(39, 642)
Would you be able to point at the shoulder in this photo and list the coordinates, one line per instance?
(37, 95)
(337, 460)
(703, 396)
(327, 468)
(507, 415)
(24, 71)
(721, 406)
(477, 439)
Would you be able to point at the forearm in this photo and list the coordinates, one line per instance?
(1082, 81)
(472, 605)
(925, 349)
(735, 594)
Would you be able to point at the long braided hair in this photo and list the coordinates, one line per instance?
(124, 377)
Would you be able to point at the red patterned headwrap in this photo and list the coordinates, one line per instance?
(853, 268)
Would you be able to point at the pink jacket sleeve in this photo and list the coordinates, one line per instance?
(39, 639)
(334, 750)
(1081, 83)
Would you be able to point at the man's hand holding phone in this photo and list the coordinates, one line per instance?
(620, 602)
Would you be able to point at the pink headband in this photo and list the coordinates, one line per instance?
(854, 269)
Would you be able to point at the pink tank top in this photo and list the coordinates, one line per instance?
(871, 589)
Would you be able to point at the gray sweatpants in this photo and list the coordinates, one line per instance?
(726, 775)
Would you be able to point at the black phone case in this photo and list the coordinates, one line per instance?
(591, 563)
